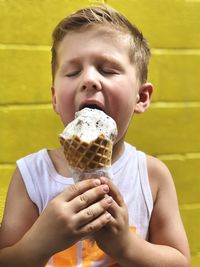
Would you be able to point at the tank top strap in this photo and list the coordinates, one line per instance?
(144, 180)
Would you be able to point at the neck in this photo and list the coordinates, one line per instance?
(118, 149)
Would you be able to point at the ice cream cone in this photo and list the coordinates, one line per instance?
(88, 142)
(87, 156)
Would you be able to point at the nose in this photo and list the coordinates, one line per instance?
(91, 80)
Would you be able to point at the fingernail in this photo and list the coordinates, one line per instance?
(103, 179)
(105, 188)
(109, 200)
(97, 182)
(108, 216)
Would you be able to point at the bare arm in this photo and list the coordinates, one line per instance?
(168, 245)
(18, 206)
(19, 215)
(29, 240)
(166, 227)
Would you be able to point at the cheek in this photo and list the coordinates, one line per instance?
(65, 104)
(122, 109)
(123, 101)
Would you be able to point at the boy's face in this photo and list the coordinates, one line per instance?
(94, 69)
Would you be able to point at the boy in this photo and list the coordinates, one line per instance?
(98, 59)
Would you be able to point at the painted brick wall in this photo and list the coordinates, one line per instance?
(169, 130)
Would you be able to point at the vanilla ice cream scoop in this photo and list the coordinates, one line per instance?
(88, 140)
(89, 124)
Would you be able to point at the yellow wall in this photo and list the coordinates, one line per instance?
(169, 130)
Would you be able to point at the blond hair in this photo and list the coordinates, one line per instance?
(105, 16)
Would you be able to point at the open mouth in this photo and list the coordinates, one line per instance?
(92, 106)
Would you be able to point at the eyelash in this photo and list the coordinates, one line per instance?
(109, 71)
(72, 74)
(101, 70)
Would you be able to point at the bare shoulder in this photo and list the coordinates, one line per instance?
(19, 213)
(166, 225)
(156, 167)
(159, 176)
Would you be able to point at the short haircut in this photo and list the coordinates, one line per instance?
(105, 16)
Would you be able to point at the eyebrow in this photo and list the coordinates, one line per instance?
(102, 59)
(70, 62)
(112, 60)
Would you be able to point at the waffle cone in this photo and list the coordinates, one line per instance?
(87, 156)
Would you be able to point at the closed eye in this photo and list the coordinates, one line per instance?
(72, 73)
(109, 71)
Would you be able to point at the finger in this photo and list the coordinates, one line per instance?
(95, 225)
(113, 191)
(114, 210)
(77, 189)
(92, 212)
(89, 197)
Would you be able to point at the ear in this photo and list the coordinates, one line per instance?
(54, 102)
(143, 97)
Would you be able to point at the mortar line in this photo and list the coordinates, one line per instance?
(25, 47)
(175, 51)
(153, 105)
(181, 156)
(192, 206)
(156, 51)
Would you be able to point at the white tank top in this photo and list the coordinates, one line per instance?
(129, 174)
